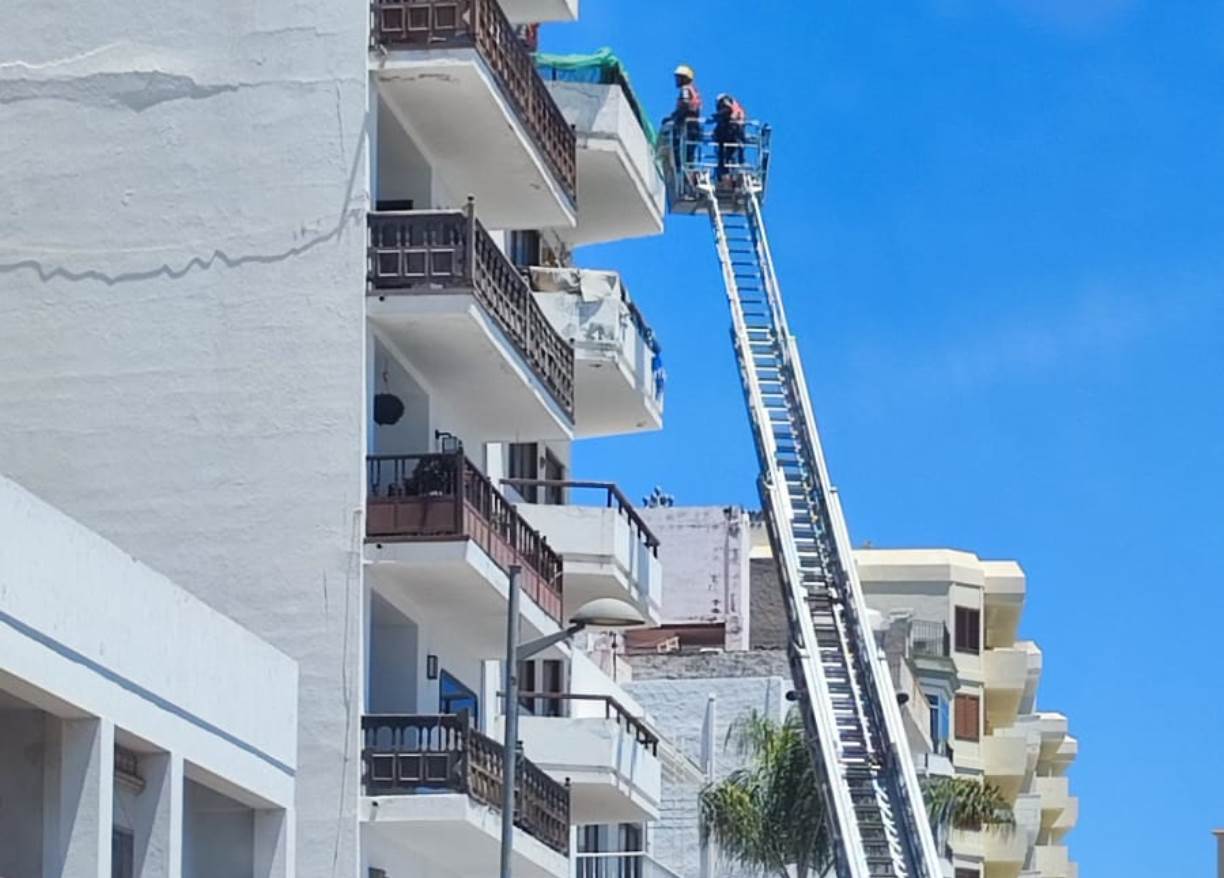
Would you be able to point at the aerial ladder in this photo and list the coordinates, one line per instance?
(877, 820)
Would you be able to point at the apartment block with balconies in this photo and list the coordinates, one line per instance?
(488, 355)
(997, 732)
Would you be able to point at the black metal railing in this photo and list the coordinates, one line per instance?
(929, 639)
(481, 25)
(613, 709)
(445, 497)
(432, 252)
(407, 754)
(613, 498)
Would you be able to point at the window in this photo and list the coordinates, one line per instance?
(968, 873)
(524, 463)
(968, 708)
(939, 721)
(541, 676)
(968, 630)
(524, 248)
(454, 697)
(123, 853)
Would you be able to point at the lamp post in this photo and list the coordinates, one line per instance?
(601, 613)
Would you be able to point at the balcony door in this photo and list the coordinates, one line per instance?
(454, 697)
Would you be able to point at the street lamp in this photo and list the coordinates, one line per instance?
(599, 613)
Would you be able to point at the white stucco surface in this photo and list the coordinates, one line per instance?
(181, 320)
(83, 623)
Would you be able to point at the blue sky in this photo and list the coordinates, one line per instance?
(998, 224)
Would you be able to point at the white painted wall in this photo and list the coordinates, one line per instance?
(704, 555)
(219, 835)
(83, 622)
(22, 755)
(181, 319)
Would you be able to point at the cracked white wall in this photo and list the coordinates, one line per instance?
(182, 325)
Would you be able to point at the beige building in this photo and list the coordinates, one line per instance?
(992, 727)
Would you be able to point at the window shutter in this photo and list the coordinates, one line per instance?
(967, 710)
(968, 624)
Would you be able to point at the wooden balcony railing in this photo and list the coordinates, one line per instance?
(402, 755)
(481, 25)
(445, 497)
(432, 252)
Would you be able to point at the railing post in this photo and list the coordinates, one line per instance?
(459, 475)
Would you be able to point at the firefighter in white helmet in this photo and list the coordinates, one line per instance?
(686, 117)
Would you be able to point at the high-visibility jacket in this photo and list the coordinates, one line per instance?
(688, 103)
(730, 110)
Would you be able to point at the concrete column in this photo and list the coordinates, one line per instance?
(159, 817)
(274, 848)
(78, 793)
(490, 704)
(1219, 834)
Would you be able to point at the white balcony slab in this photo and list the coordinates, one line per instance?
(447, 835)
(603, 553)
(618, 384)
(623, 194)
(614, 777)
(455, 110)
(533, 11)
(458, 349)
(457, 587)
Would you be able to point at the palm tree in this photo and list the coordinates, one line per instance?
(965, 803)
(768, 817)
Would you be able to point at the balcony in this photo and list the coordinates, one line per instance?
(1056, 798)
(445, 299)
(623, 194)
(433, 788)
(618, 370)
(1004, 586)
(609, 756)
(464, 87)
(439, 534)
(533, 11)
(636, 864)
(607, 550)
(1005, 759)
(1051, 860)
(1006, 674)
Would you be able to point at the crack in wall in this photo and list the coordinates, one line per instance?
(49, 272)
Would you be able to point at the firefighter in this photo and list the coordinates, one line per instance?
(686, 117)
(729, 121)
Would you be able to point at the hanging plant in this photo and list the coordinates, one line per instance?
(388, 409)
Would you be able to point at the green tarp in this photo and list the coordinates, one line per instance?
(600, 67)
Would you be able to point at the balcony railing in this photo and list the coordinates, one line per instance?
(445, 497)
(481, 25)
(930, 639)
(432, 252)
(620, 864)
(403, 755)
(613, 709)
(613, 498)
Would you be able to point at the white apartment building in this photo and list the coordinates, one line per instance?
(287, 314)
(141, 732)
(994, 727)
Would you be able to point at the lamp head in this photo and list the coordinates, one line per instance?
(608, 613)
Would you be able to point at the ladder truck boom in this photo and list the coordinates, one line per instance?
(869, 785)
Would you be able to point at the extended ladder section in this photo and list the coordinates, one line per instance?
(877, 820)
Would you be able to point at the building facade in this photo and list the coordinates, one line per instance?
(303, 305)
(947, 625)
(992, 726)
(141, 732)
